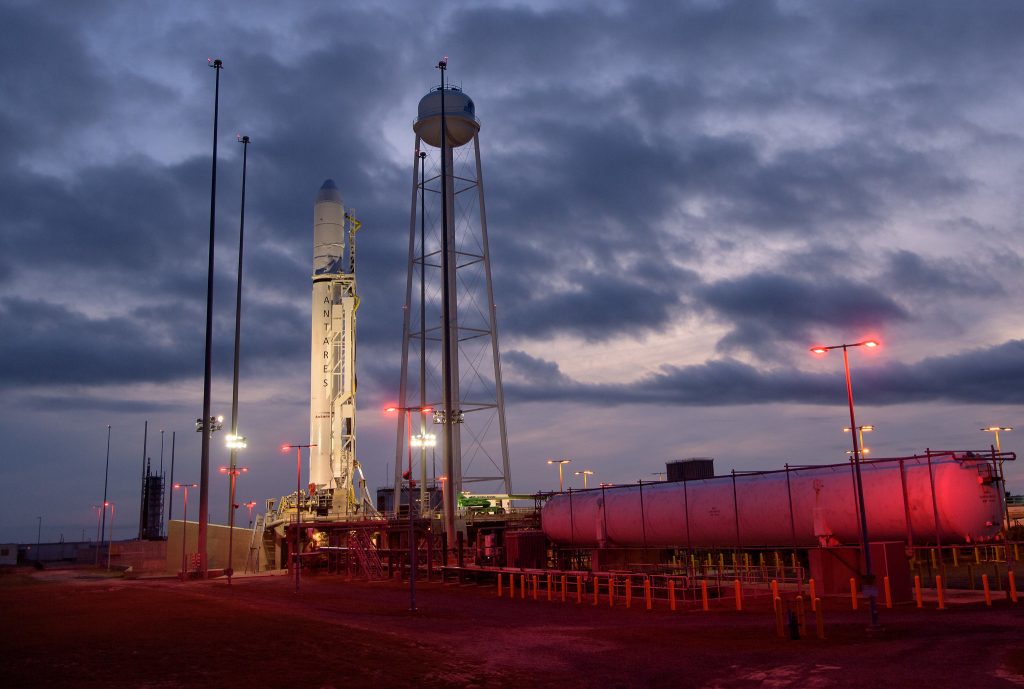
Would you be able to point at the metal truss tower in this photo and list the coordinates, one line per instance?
(449, 318)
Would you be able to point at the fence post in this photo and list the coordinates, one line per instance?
(629, 591)
(814, 600)
(579, 589)
(939, 592)
(801, 615)
(597, 588)
(988, 592)
(548, 587)
(563, 588)
(853, 593)
(704, 593)
(917, 590)
(888, 592)
(511, 585)
(671, 595)
(779, 629)
(1013, 586)
(522, 586)
(647, 592)
(499, 584)
(739, 594)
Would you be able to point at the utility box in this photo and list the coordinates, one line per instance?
(526, 549)
(832, 569)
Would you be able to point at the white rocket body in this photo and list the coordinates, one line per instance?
(332, 360)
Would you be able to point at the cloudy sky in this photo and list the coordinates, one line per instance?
(681, 200)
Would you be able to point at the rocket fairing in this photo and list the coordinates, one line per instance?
(332, 356)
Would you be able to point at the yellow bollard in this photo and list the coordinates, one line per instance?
(1013, 586)
(814, 600)
(988, 592)
(511, 585)
(801, 616)
(536, 585)
(935, 563)
(499, 584)
(746, 560)
(888, 592)
(819, 618)
(671, 595)
(776, 554)
(780, 628)
(739, 594)
(522, 586)
(977, 556)
(647, 593)
(597, 589)
(734, 560)
(956, 563)
(704, 594)
(611, 591)
(939, 592)
(629, 592)
(775, 589)
(548, 587)
(721, 561)
(563, 588)
(853, 593)
(579, 589)
(917, 590)
(760, 559)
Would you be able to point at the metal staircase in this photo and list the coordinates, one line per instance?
(366, 553)
(256, 544)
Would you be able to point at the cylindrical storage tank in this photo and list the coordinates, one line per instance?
(459, 118)
(803, 507)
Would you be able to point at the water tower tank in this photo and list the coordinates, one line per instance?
(460, 117)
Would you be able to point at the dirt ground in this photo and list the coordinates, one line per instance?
(77, 628)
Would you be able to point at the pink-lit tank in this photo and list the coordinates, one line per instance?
(799, 506)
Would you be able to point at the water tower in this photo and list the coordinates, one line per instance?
(449, 326)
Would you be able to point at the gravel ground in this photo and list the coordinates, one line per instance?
(77, 628)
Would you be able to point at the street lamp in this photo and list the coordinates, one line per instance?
(585, 473)
(184, 522)
(423, 441)
(996, 430)
(560, 463)
(861, 430)
(110, 534)
(868, 579)
(233, 472)
(106, 474)
(1002, 476)
(422, 444)
(250, 505)
(298, 504)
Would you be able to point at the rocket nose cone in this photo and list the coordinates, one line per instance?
(328, 192)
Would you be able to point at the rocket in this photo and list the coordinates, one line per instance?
(332, 432)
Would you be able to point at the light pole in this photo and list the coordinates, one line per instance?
(560, 463)
(110, 534)
(423, 441)
(234, 441)
(861, 430)
(204, 464)
(996, 430)
(106, 473)
(298, 504)
(869, 578)
(250, 505)
(233, 472)
(585, 474)
(184, 522)
(39, 538)
(413, 564)
(1002, 477)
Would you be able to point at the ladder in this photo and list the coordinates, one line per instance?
(366, 553)
(255, 545)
